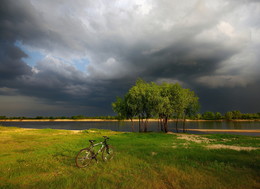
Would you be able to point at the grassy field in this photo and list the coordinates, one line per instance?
(44, 158)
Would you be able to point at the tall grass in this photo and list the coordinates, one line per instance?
(44, 158)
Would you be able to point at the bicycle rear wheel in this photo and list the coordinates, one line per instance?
(108, 153)
(84, 158)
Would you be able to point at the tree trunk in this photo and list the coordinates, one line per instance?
(145, 125)
(132, 124)
(184, 124)
(166, 125)
(140, 130)
(158, 124)
(142, 125)
(176, 124)
(162, 124)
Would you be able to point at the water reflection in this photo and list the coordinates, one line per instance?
(126, 125)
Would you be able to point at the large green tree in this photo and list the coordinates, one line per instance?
(146, 100)
(166, 106)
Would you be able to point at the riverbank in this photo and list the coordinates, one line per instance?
(56, 120)
(226, 130)
(115, 120)
(44, 158)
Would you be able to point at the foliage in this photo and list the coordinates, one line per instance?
(228, 115)
(208, 115)
(3, 117)
(215, 116)
(120, 108)
(146, 100)
(236, 114)
(250, 116)
(218, 115)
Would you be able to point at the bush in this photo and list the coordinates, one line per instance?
(208, 116)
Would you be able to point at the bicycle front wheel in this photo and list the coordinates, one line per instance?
(108, 153)
(84, 158)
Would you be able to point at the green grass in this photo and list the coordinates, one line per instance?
(44, 158)
(236, 140)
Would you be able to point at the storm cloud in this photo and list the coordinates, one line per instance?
(75, 57)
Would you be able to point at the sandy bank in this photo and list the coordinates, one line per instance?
(226, 130)
(95, 120)
(54, 120)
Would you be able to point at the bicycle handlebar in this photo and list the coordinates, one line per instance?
(92, 141)
(106, 137)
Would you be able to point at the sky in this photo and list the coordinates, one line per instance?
(65, 58)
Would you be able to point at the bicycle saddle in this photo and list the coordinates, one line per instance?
(91, 141)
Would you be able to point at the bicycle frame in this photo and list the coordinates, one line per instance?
(97, 144)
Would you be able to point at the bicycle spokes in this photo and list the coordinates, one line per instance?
(84, 158)
(108, 153)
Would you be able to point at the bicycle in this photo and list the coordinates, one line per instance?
(86, 155)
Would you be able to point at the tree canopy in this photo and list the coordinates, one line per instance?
(146, 100)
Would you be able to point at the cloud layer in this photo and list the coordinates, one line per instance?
(92, 51)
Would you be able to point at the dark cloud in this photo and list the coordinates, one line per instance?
(245, 99)
(209, 46)
(11, 65)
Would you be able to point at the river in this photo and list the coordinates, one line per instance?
(200, 127)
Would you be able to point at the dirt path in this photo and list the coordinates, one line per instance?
(208, 143)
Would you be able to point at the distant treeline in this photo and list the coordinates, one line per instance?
(62, 117)
(230, 115)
